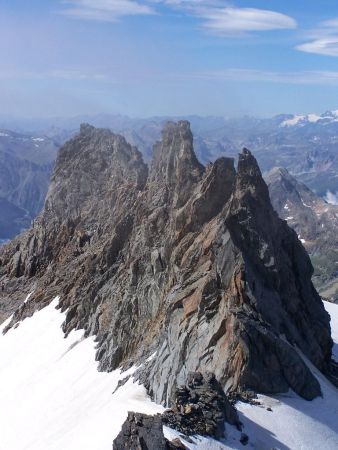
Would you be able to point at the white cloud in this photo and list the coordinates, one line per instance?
(222, 18)
(217, 16)
(104, 10)
(324, 39)
(230, 20)
(327, 46)
(332, 23)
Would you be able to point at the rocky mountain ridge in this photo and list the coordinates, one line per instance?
(26, 162)
(314, 220)
(192, 259)
(305, 144)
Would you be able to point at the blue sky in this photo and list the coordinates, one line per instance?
(168, 57)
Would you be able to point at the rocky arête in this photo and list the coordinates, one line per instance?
(189, 264)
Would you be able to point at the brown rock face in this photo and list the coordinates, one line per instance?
(188, 262)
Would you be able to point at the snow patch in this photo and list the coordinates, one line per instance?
(30, 294)
(332, 309)
(295, 423)
(303, 241)
(294, 121)
(206, 443)
(301, 119)
(313, 118)
(307, 206)
(151, 357)
(53, 396)
(331, 197)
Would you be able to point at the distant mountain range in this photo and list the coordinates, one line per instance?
(306, 145)
(300, 120)
(26, 162)
(315, 222)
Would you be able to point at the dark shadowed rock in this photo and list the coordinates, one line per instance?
(201, 408)
(141, 432)
(244, 439)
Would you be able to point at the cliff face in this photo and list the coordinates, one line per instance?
(184, 263)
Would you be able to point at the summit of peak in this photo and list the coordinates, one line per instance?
(86, 128)
(145, 261)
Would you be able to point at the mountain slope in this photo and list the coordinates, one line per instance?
(59, 401)
(193, 259)
(25, 166)
(314, 220)
(54, 394)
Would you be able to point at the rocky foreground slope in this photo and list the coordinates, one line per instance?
(182, 267)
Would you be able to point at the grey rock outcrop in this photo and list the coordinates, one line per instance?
(187, 263)
(141, 432)
(201, 408)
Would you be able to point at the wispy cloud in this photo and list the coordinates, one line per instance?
(69, 74)
(217, 16)
(104, 10)
(239, 21)
(327, 46)
(323, 40)
(225, 19)
(249, 75)
(113, 75)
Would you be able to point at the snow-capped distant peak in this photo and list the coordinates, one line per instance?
(301, 119)
(295, 120)
(313, 118)
(38, 139)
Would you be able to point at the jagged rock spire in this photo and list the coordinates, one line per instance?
(190, 263)
(175, 168)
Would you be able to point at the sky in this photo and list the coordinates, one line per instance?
(168, 57)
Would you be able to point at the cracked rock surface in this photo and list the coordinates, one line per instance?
(189, 264)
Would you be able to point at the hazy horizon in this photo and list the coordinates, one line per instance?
(145, 58)
(50, 118)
